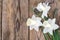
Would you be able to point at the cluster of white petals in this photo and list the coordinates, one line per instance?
(43, 7)
(35, 22)
(49, 26)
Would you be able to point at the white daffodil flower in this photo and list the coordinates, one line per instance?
(43, 7)
(34, 22)
(49, 26)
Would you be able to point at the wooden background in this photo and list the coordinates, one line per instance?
(13, 16)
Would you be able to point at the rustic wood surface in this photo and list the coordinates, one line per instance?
(0, 19)
(13, 17)
(8, 20)
(24, 16)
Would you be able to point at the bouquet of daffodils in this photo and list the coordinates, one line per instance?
(40, 19)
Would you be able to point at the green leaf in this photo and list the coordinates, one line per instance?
(56, 35)
(48, 36)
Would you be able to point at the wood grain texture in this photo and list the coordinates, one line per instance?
(24, 16)
(14, 20)
(14, 17)
(8, 19)
(33, 35)
(0, 20)
(58, 14)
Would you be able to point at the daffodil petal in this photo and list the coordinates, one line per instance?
(40, 7)
(36, 28)
(34, 22)
(45, 30)
(31, 27)
(46, 24)
(53, 20)
(51, 32)
(44, 14)
(55, 26)
(36, 18)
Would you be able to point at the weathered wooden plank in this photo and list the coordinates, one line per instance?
(17, 22)
(58, 17)
(0, 19)
(5, 31)
(8, 19)
(33, 35)
(36, 35)
(24, 16)
(58, 13)
(14, 16)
